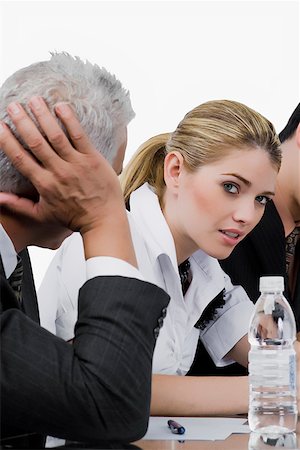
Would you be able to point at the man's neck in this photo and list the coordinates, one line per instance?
(14, 230)
(286, 207)
(287, 186)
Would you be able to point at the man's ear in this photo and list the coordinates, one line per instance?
(173, 166)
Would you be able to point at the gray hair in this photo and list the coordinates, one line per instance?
(102, 105)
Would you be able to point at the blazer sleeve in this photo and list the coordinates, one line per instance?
(99, 387)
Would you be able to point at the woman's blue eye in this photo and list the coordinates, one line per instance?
(232, 188)
(262, 199)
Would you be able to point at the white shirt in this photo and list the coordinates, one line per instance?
(8, 253)
(156, 256)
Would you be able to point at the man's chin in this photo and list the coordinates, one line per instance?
(55, 243)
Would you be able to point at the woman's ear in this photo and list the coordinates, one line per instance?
(173, 166)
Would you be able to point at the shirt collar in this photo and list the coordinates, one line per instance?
(8, 253)
(152, 222)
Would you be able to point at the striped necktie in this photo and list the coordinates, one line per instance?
(15, 280)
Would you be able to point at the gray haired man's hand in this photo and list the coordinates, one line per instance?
(77, 188)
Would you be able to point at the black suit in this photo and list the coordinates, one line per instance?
(99, 387)
(261, 253)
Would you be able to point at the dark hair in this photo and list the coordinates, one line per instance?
(291, 126)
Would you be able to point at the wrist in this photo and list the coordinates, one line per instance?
(109, 237)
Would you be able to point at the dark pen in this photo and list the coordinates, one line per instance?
(175, 427)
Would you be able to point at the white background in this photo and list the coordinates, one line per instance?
(171, 55)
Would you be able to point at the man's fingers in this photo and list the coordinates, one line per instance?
(20, 158)
(50, 126)
(31, 135)
(77, 135)
(17, 205)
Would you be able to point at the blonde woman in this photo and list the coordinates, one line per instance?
(193, 196)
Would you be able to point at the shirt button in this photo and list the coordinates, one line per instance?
(160, 322)
(156, 332)
(164, 312)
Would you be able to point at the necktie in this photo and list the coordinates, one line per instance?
(15, 280)
(291, 244)
(185, 275)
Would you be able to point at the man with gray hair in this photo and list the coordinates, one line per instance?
(87, 391)
(100, 102)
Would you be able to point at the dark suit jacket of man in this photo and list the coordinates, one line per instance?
(261, 253)
(99, 387)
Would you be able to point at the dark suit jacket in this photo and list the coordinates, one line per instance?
(261, 253)
(99, 387)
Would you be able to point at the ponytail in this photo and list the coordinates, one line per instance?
(206, 134)
(146, 165)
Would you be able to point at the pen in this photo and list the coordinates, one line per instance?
(175, 427)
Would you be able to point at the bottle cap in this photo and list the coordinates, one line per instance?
(267, 284)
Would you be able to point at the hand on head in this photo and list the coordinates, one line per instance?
(77, 187)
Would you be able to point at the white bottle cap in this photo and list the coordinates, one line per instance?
(267, 284)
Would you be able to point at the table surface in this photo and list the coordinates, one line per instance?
(233, 442)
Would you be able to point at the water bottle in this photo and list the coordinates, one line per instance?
(272, 361)
(259, 441)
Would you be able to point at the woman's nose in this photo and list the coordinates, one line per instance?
(248, 213)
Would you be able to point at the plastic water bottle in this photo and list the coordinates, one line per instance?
(263, 441)
(272, 361)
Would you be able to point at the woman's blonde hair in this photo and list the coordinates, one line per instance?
(205, 135)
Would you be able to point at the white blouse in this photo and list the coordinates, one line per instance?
(155, 250)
